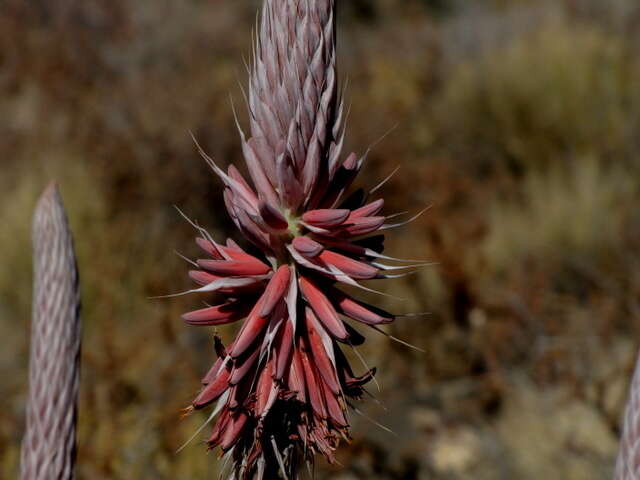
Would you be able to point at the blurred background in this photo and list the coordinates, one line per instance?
(516, 120)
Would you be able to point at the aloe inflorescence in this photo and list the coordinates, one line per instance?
(283, 387)
(49, 444)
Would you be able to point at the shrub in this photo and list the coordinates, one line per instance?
(562, 89)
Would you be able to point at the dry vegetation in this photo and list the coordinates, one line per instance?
(517, 120)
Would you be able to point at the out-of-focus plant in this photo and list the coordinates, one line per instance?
(550, 94)
(581, 212)
(49, 444)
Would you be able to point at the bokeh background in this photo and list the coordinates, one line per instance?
(517, 121)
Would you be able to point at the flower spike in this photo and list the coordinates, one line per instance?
(283, 386)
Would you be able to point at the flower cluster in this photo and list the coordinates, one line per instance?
(283, 386)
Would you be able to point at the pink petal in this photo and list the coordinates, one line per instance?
(241, 368)
(219, 427)
(288, 185)
(336, 412)
(213, 390)
(251, 230)
(307, 247)
(360, 311)
(312, 165)
(209, 248)
(283, 349)
(240, 394)
(203, 278)
(295, 379)
(351, 162)
(252, 328)
(256, 170)
(234, 268)
(349, 266)
(345, 246)
(273, 217)
(323, 309)
(213, 372)
(230, 285)
(369, 210)
(326, 217)
(363, 225)
(313, 388)
(244, 194)
(233, 252)
(265, 155)
(233, 430)
(265, 391)
(322, 360)
(218, 315)
(234, 173)
(275, 290)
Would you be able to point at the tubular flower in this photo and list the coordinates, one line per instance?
(282, 387)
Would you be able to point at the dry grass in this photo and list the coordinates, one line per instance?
(578, 214)
(559, 91)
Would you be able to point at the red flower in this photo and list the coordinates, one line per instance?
(283, 385)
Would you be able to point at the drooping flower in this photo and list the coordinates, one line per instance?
(283, 386)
